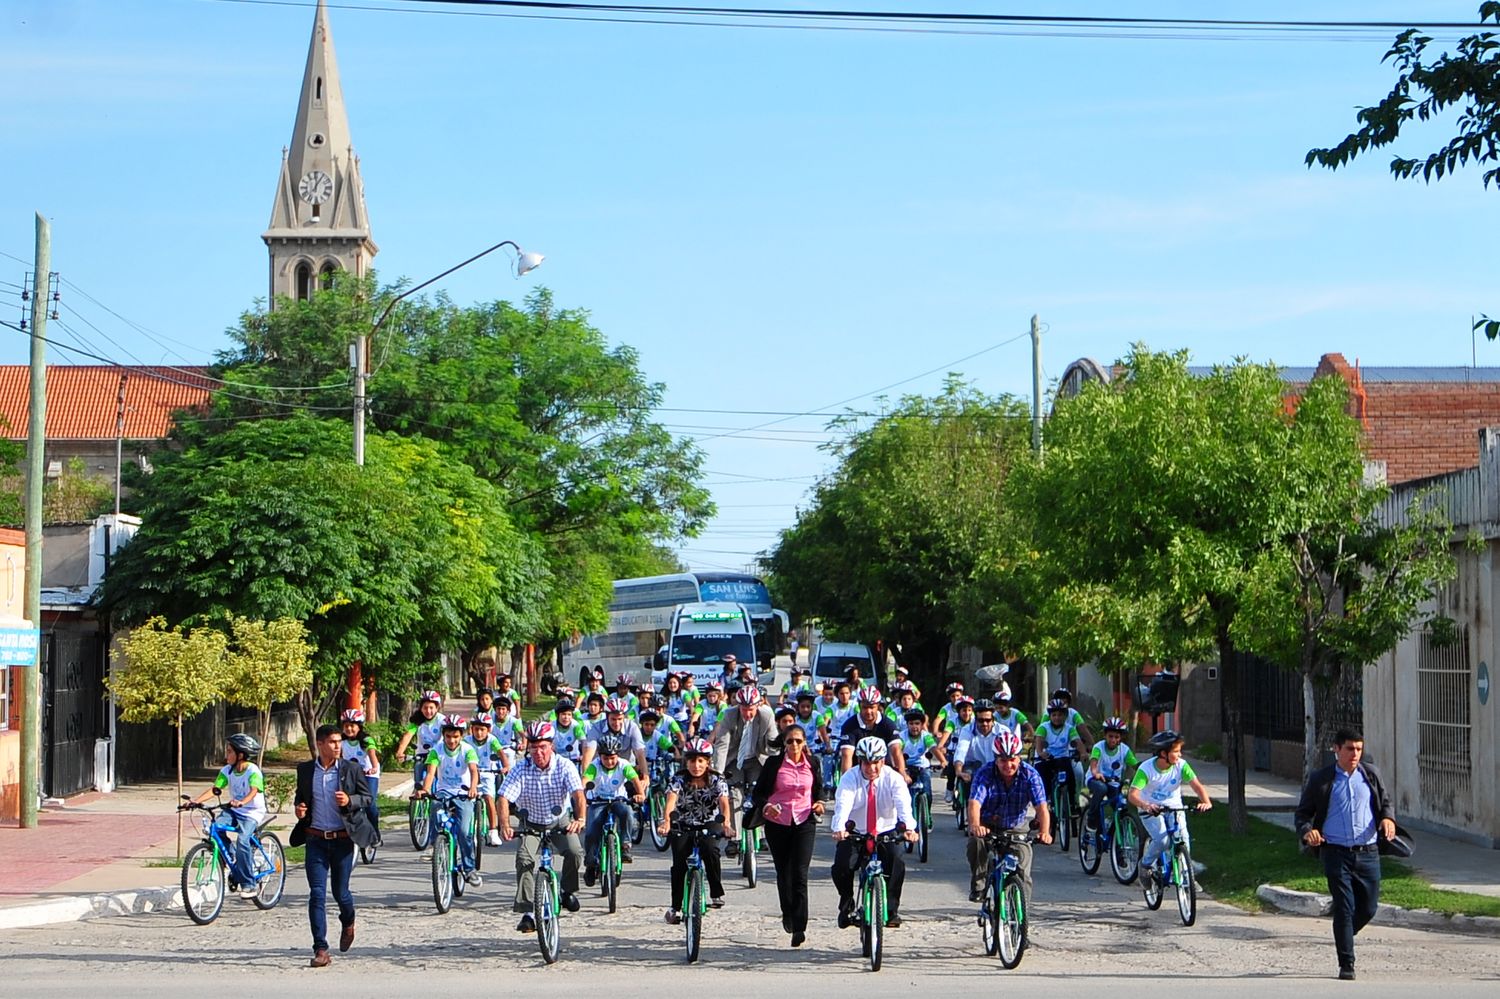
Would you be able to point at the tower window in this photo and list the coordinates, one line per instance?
(316, 212)
(304, 282)
(318, 91)
(325, 278)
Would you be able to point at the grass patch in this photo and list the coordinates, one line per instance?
(1268, 854)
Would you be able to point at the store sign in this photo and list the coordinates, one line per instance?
(18, 646)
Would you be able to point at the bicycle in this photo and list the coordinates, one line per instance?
(205, 866)
(1117, 835)
(872, 910)
(694, 887)
(607, 860)
(546, 889)
(656, 801)
(961, 800)
(1002, 913)
(1064, 810)
(1174, 866)
(447, 874)
(751, 840)
(419, 819)
(921, 808)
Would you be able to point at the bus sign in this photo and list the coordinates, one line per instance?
(715, 616)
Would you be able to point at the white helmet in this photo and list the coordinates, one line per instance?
(869, 748)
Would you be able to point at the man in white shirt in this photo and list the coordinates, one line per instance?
(874, 799)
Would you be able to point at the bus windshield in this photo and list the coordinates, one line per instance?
(709, 650)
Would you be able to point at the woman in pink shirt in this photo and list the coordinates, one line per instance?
(790, 790)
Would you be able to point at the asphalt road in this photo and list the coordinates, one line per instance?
(1087, 931)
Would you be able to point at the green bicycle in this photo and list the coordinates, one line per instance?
(1002, 916)
(872, 908)
(447, 873)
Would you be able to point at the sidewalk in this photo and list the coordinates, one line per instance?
(1448, 863)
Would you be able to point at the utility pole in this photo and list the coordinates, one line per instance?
(1036, 447)
(36, 441)
(119, 440)
(357, 354)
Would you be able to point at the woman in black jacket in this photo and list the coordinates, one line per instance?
(790, 796)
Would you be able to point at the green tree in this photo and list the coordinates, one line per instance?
(168, 673)
(270, 661)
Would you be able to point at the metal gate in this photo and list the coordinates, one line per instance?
(1443, 729)
(73, 671)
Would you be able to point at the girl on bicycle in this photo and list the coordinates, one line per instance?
(359, 746)
(426, 729)
(697, 797)
(1157, 786)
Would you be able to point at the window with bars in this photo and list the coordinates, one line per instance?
(1444, 681)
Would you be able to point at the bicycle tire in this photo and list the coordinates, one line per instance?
(204, 883)
(989, 917)
(367, 854)
(1124, 849)
(1089, 853)
(1187, 889)
(442, 871)
(1156, 891)
(544, 913)
(1064, 815)
(640, 830)
(924, 825)
(609, 871)
(960, 806)
(1012, 922)
(877, 923)
(658, 806)
(419, 823)
(748, 865)
(270, 856)
(692, 914)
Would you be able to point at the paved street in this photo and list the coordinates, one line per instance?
(1089, 929)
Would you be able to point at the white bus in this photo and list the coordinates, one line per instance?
(640, 622)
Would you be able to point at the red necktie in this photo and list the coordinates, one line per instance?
(870, 810)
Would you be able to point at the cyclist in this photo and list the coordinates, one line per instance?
(484, 701)
(246, 807)
(594, 684)
(1056, 742)
(659, 745)
(800, 681)
(728, 674)
(955, 740)
(856, 682)
(903, 675)
(426, 730)
(1003, 796)
(359, 746)
(1012, 718)
(905, 699)
(623, 692)
(503, 688)
(568, 734)
(508, 731)
(709, 711)
(1075, 717)
(977, 742)
(1158, 785)
(876, 800)
(698, 797)
(916, 745)
(610, 785)
(593, 710)
(1111, 758)
(548, 790)
(786, 717)
(615, 721)
(807, 719)
(492, 761)
(946, 719)
(870, 721)
(679, 705)
(664, 722)
(824, 697)
(453, 769)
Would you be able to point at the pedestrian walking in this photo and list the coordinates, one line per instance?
(789, 793)
(548, 792)
(332, 805)
(1344, 814)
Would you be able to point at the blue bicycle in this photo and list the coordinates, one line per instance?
(1173, 867)
(546, 890)
(1002, 916)
(448, 879)
(205, 868)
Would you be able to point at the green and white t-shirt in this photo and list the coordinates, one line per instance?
(1163, 787)
(509, 733)
(1114, 764)
(487, 753)
(915, 750)
(658, 744)
(1013, 721)
(426, 735)
(452, 767)
(239, 783)
(1059, 741)
(608, 784)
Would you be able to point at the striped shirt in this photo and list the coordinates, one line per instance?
(544, 795)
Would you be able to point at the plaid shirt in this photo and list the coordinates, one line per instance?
(543, 795)
(1002, 807)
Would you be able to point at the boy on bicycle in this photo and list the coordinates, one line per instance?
(1057, 744)
(1158, 786)
(568, 733)
(246, 807)
(492, 762)
(509, 731)
(610, 784)
(916, 745)
(453, 769)
(1109, 760)
(425, 729)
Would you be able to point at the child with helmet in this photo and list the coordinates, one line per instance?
(359, 746)
(246, 803)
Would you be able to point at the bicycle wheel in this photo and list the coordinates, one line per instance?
(877, 922)
(989, 918)
(960, 805)
(270, 859)
(609, 869)
(1089, 855)
(924, 825)
(1154, 893)
(367, 853)
(748, 866)
(692, 913)
(442, 871)
(1187, 890)
(203, 884)
(1124, 848)
(1063, 817)
(544, 911)
(640, 827)
(1012, 922)
(658, 806)
(419, 823)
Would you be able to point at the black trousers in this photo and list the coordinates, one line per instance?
(1354, 882)
(791, 851)
(708, 852)
(849, 857)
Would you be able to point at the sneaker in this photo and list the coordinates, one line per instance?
(494, 837)
(846, 918)
(526, 925)
(976, 894)
(248, 892)
(472, 879)
(1148, 878)
(674, 917)
(570, 901)
(732, 848)
(1346, 974)
(590, 876)
(948, 796)
(625, 854)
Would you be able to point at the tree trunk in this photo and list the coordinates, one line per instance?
(309, 719)
(265, 733)
(1309, 723)
(179, 783)
(1234, 733)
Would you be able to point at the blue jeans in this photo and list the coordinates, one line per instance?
(593, 830)
(1354, 882)
(921, 780)
(325, 857)
(242, 860)
(463, 807)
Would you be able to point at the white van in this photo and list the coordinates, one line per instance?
(702, 634)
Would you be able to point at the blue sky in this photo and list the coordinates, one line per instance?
(777, 220)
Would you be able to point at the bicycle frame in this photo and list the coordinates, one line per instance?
(216, 833)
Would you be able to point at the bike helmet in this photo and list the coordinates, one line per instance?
(482, 718)
(1062, 694)
(714, 685)
(352, 715)
(433, 696)
(984, 704)
(1115, 723)
(806, 695)
(1056, 704)
(902, 670)
(565, 705)
(243, 742)
(869, 695)
(869, 748)
(597, 673)
(698, 747)
(454, 721)
(963, 702)
(786, 711)
(616, 706)
(1002, 697)
(915, 714)
(1164, 740)
(747, 697)
(955, 685)
(1007, 744)
(624, 678)
(540, 731)
(610, 744)
(649, 715)
(902, 686)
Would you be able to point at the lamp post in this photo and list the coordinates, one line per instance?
(525, 263)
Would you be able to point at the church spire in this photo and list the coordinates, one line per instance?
(318, 220)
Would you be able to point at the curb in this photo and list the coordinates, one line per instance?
(1306, 903)
(67, 910)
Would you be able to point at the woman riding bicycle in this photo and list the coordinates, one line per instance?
(695, 797)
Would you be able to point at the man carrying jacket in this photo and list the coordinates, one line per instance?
(332, 806)
(1344, 813)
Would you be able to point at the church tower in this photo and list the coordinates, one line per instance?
(318, 220)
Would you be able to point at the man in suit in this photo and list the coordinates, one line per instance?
(332, 806)
(1344, 813)
(741, 741)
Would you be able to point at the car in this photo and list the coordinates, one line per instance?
(831, 660)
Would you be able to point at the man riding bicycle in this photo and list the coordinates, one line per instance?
(1001, 798)
(873, 797)
(548, 789)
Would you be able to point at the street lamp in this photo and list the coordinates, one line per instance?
(525, 263)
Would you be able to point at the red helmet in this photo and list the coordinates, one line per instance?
(869, 695)
(433, 696)
(540, 731)
(616, 706)
(352, 715)
(1007, 744)
(747, 696)
(698, 747)
(624, 678)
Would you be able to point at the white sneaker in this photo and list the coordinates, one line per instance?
(472, 879)
(948, 796)
(494, 838)
(250, 892)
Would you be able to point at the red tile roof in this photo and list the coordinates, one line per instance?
(81, 399)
